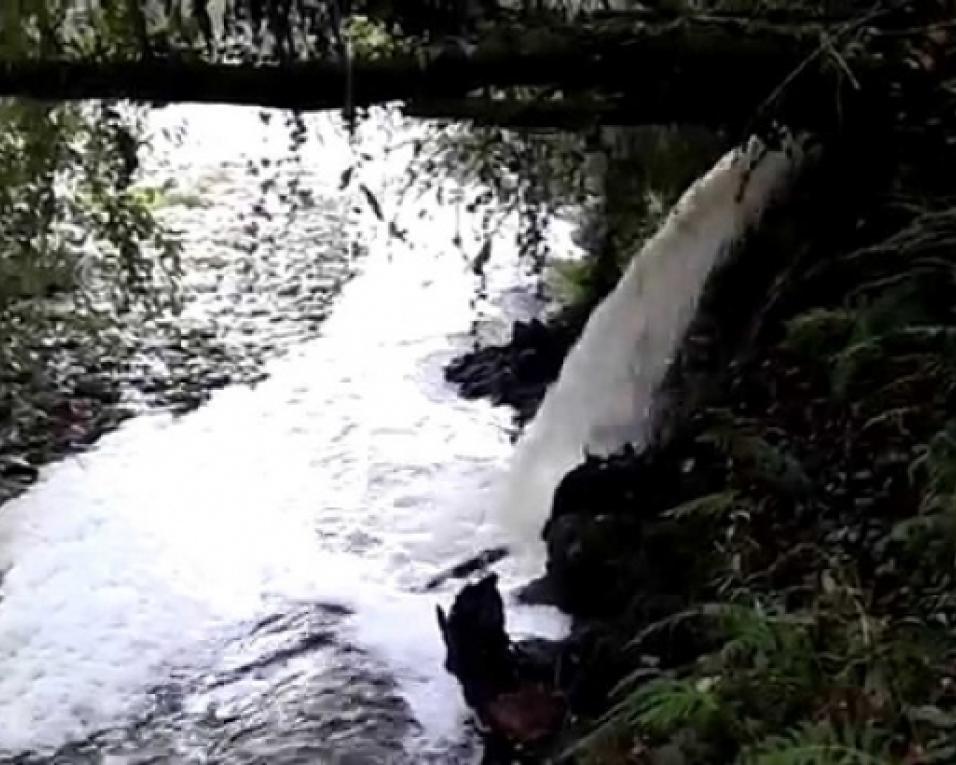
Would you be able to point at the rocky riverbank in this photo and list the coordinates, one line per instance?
(773, 576)
(518, 372)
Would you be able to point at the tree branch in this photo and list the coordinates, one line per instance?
(705, 71)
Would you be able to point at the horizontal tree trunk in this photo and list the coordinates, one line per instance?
(709, 71)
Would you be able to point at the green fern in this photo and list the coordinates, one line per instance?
(715, 612)
(822, 744)
(938, 462)
(716, 505)
(657, 708)
(663, 705)
(931, 535)
(854, 362)
(754, 456)
(752, 631)
(819, 332)
(916, 352)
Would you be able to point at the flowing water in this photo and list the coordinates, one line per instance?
(604, 396)
(243, 583)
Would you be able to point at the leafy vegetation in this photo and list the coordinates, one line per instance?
(822, 629)
(81, 247)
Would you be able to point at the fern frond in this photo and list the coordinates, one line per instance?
(663, 705)
(757, 457)
(821, 744)
(715, 505)
(713, 611)
(819, 332)
(938, 464)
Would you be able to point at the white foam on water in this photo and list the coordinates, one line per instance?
(351, 476)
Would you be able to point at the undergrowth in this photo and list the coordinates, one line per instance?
(823, 631)
(826, 630)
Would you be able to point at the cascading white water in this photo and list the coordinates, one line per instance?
(242, 584)
(603, 397)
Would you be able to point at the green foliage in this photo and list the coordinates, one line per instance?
(938, 463)
(661, 706)
(771, 671)
(158, 198)
(716, 505)
(370, 38)
(66, 28)
(822, 744)
(70, 220)
(931, 536)
(658, 708)
(809, 659)
(819, 332)
(498, 177)
(81, 253)
(572, 281)
(753, 456)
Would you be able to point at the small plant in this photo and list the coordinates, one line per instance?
(822, 744)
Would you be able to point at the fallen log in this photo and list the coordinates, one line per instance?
(704, 70)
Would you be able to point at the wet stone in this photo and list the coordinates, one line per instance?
(18, 469)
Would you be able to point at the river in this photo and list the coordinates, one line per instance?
(242, 583)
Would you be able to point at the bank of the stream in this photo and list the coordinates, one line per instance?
(255, 280)
(246, 580)
(771, 580)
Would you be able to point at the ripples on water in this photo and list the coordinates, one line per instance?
(238, 585)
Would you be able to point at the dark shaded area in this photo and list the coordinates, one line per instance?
(517, 373)
(511, 686)
(787, 453)
(693, 60)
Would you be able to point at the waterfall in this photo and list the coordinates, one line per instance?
(603, 397)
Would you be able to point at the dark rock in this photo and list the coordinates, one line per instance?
(517, 373)
(217, 379)
(96, 387)
(479, 651)
(467, 568)
(512, 687)
(18, 469)
(591, 560)
(539, 592)
(645, 484)
(609, 539)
